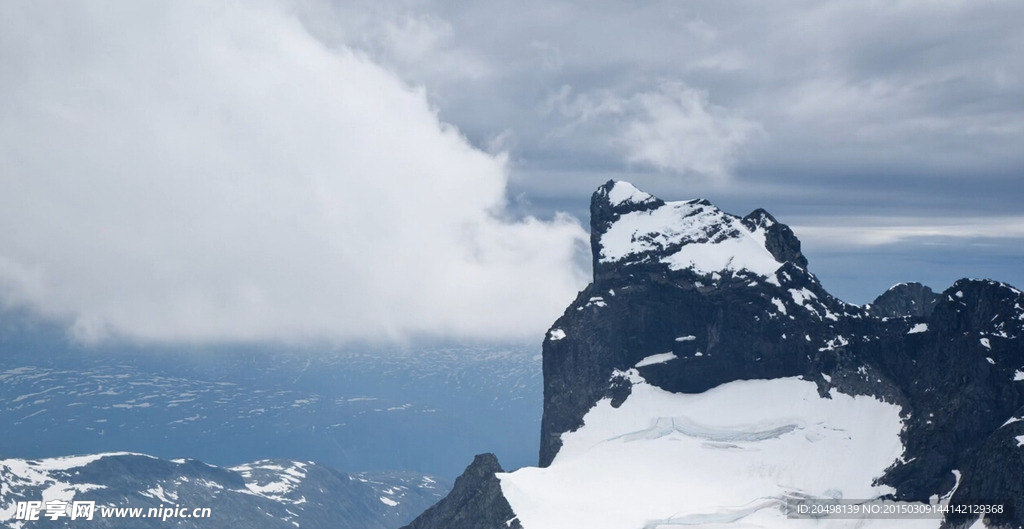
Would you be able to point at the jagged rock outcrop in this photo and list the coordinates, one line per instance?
(779, 239)
(474, 501)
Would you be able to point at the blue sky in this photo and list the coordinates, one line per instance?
(307, 170)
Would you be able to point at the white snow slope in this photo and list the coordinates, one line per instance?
(725, 458)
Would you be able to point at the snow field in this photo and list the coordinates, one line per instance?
(728, 457)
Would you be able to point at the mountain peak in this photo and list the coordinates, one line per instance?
(703, 348)
(905, 299)
(633, 230)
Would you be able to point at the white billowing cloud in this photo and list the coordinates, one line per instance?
(193, 171)
(671, 127)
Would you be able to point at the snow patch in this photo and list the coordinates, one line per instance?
(159, 493)
(802, 296)
(918, 328)
(286, 479)
(656, 359)
(625, 193)
(556, 334)
(835, 343)
(985, 343)
(688, 338)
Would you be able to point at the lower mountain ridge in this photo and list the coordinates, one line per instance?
(136, 490)
(705, 378)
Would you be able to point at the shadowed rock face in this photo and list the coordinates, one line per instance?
(475, 501)
(905, 299)
(779, 239)
(732, 299)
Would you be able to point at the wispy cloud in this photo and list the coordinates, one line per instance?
(678, 129)
(832, 232)
(670, 127)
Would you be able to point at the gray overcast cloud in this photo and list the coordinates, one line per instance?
(873, 118)
(296, 170)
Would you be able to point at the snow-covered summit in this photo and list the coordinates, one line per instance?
(623, 193)
(631, 227)
(692, 234)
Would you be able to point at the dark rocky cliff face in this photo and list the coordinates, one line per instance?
(954, 361)
(997, 470)
(724, 328)
(475, 501)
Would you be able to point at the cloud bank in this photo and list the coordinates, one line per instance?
(837, 89)
(194, 171)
